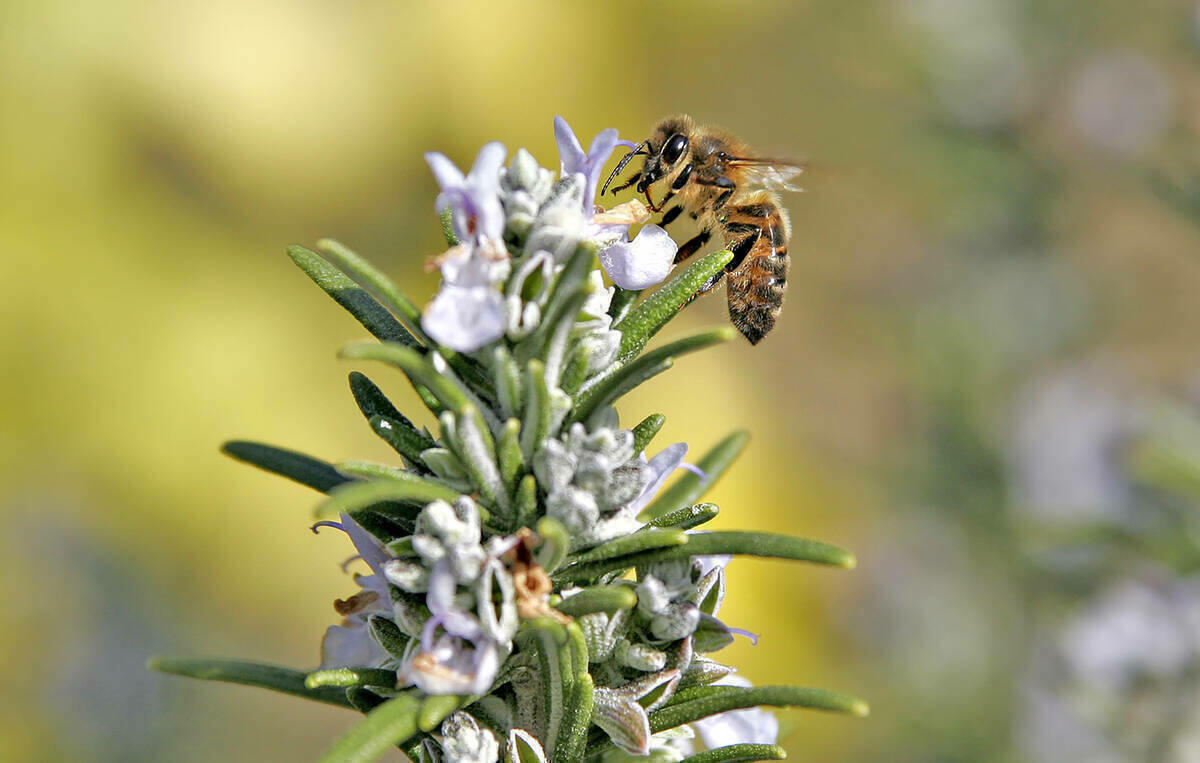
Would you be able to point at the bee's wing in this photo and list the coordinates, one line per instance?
(772, 174)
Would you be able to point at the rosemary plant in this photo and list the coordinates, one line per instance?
(534, 594)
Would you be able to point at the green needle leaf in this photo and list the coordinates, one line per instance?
(399, 304)
(435, 709)
(737, 753)
(608, 388)
(710, 543)
(371, 400)
(508, 454)
(644, 432)
(416, 365)
(645, 320)
(313, 472)
(766, 545)
(363, 699)
(447, 219)
(405, 440)
(689, 487)
(354, 298)
(632, 544)
(687, 517)
(387, 422)
(408, 488)
(384, 727)
(598, 599)
(355, 265)
(556, 347)
(556, 541)
(575, 372)
(525, 502)
(387, 634)
(622, 303)
(570, 281)
(258, 674)
(351, 677)
(573, 738)
(555, 671)
(508, 382)
(578, 716)
(738, 698)
(535, 427)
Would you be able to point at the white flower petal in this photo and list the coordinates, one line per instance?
(465, 318)
(640, 263)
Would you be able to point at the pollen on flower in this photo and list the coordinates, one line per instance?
(630, 212)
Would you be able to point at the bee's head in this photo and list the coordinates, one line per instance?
(666, 148)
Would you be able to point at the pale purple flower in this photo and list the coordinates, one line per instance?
(369, 549)
(443, 610)
(750, 726)
(454, 666)
(351, 645)
(468, 312)
(636, 264)
(661, 467)
(456, 655)
(466, 265)
(591, 164)
(474, 199)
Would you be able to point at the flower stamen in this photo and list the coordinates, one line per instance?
(356, 603)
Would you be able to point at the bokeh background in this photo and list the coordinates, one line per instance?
(986, 381)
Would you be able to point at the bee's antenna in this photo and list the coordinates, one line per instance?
(635, 151)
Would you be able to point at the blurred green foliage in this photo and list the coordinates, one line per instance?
(996, 190)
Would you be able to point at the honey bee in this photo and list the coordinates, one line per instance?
(715, 177)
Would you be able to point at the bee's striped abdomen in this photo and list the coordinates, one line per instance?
(756, 231)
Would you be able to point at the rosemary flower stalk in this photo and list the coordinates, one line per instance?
(534, 593)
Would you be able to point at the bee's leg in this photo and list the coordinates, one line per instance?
(708, 286)
(720, 200)
(670, 216)
(712, 283)
(659, 206)
(692, 245)
(633, 179)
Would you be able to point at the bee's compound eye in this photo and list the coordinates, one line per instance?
(674, 148)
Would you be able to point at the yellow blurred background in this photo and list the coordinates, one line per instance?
(997, 190)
